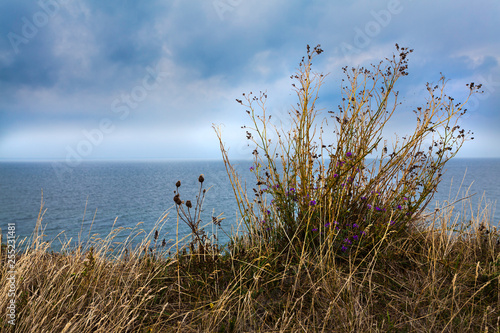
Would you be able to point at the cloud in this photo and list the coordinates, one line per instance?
(93, 60)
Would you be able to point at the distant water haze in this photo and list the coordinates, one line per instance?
(125, 193)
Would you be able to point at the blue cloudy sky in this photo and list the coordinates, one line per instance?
(140, 80)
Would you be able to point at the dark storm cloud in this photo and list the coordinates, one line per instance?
(79, 45)
(95, 60)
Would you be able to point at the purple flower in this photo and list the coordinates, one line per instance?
(349, 154)
(354, 225)
(378, 209)
(405, 198)
(369, 206)
(347, 240)
(335, 175)
(291, 190)
(252, 168)
(391, 222)
(355, 237)
(363, 198)
(400, 207)
(268, 212)
(363, 233)
(343, 248)
(312, 202)
(327, 225)
(315, 229)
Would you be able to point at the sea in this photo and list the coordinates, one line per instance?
(93, 198)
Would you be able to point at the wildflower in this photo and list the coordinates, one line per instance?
(400, 207)
(312, 203)
(378, 209)
(291, 190)
(391, 222)
(335, 175)
(327, 225)
(405, 198)
(252, 168)
(369, 206)
(348, 241)
(315, 229)
(349, 154)
(363, 233)
(268, 212)
(343, 248)
(355, 237)
(363, 198)
(354, 225)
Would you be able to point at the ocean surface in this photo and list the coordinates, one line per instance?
(89, 198)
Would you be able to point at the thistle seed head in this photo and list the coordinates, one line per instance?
(177, 200)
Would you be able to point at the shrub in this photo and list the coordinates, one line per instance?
(360, 187)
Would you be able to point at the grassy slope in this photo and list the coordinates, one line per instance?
(429, 280)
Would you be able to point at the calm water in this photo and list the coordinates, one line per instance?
(132, 192)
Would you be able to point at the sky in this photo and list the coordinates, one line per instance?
(129, 80)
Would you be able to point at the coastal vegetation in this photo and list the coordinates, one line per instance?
(335, 234)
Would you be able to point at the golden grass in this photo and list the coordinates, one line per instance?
(433, 279)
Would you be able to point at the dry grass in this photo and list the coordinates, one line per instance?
(430, 280)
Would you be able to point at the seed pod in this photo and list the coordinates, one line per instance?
(201, 179)
(177, 200)
(178, 184)
(188, 204)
